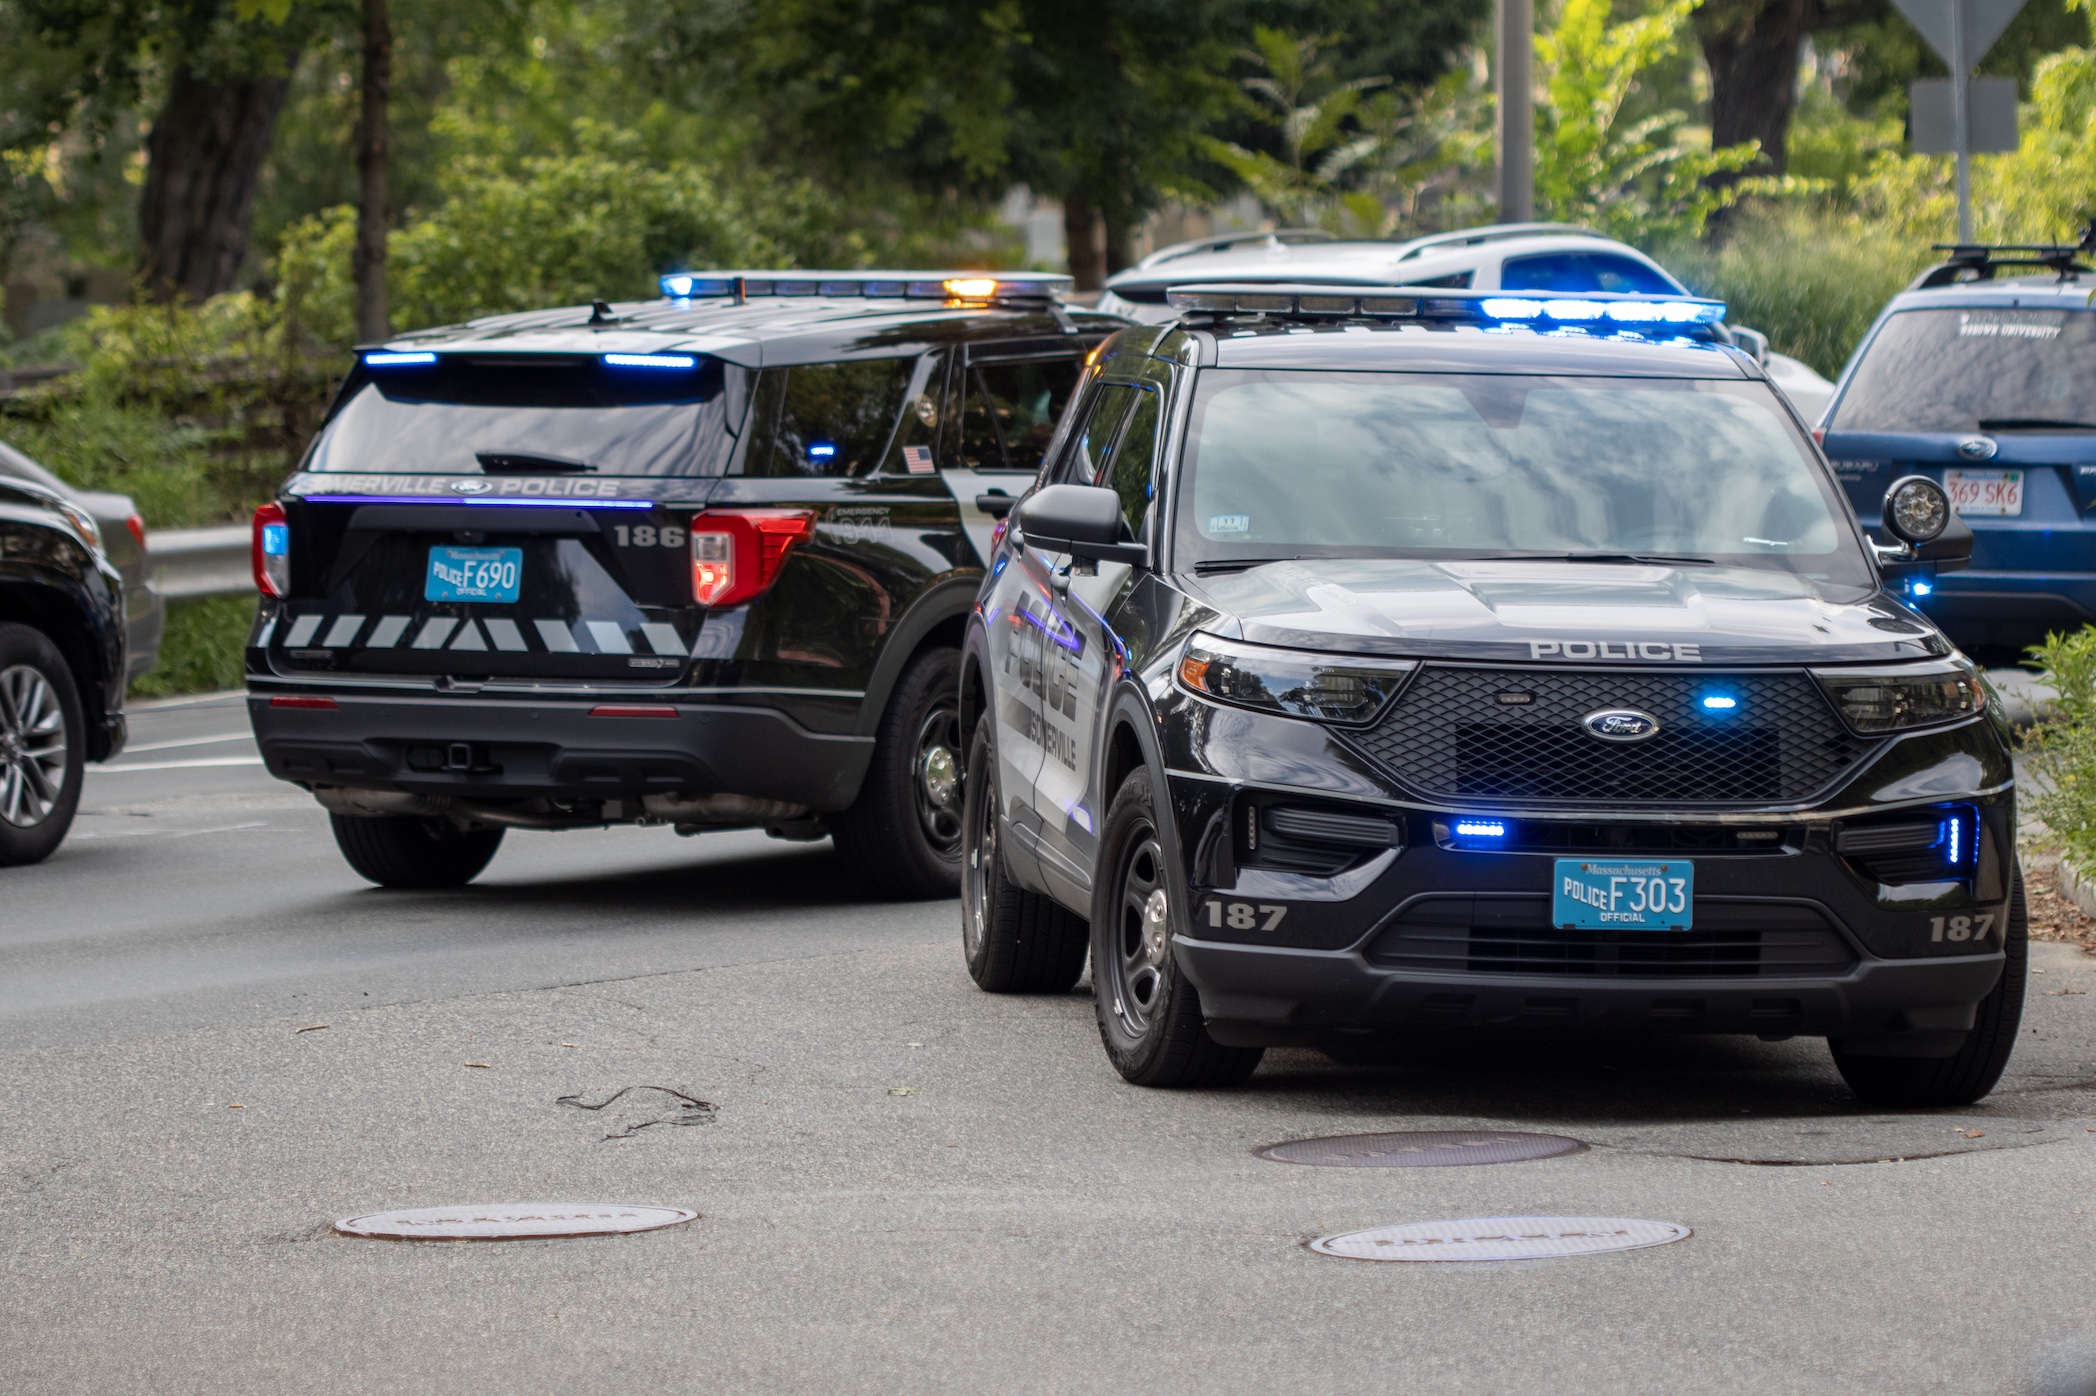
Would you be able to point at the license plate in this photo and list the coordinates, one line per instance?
(473, 574)
(1593, 894)
(1984, 491)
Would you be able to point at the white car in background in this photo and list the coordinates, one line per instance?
(1502, 257)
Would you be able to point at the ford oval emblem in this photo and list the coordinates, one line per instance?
(1620, 725)
(1977, 448)
(470, 487)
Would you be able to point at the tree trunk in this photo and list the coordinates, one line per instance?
(1752, 47)
(374, 151)
(1120, 243)
(202, 159)
(1081, 233)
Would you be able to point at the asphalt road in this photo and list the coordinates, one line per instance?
(214, 1039)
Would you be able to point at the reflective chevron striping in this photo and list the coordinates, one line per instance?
(469, 634)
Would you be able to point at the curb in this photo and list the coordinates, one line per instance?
(2077, 887)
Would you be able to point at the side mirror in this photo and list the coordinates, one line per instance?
(1081, 520)
(996, 503)
(1918, 513)
(1753, 341)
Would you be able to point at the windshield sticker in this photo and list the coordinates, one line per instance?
(917, 459)
(1229, 523)
(2010, 324)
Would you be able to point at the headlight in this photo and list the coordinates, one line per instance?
(1894, 700)
(1329, 688)
(83, 524)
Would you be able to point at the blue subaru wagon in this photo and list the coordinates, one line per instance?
(1982, 376)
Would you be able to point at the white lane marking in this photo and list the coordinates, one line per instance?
(221, 829)
(178, 765)
(147, 705)
(191, 741)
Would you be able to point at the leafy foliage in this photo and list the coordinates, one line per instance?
(2061, 751)
(203, 649)
(1637, 181)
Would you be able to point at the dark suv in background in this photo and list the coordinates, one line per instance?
(61, 664)
(701, 561)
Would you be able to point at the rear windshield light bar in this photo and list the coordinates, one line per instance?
(561, 503)
(1327, 301)
(892, 285)
(425, 359)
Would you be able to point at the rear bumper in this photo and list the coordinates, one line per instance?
(1254, 993)
(491, 749)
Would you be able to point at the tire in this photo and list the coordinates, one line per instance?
(402, 851)
(1149, 1014)
(1015, 941)
(43, 746)
(902, 837)
(1970, 1073)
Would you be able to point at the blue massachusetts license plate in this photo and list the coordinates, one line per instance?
(1603, 894)
(473, 574)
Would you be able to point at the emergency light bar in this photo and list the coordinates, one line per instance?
(1533, 308)
(889, 285)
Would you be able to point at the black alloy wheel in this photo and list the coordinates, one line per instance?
(1975, 1068)
(1149, 1014)
(412, 853)
(1015, 941)
(42, 746)
(902, 836)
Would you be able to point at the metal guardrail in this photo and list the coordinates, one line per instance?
(193, 562)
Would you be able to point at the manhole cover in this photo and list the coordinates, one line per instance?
(1499, 1238)
(508, 1221)
(1421, 1148)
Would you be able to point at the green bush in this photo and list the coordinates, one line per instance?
(1810, 277)
(2060, 752)
(202, 649)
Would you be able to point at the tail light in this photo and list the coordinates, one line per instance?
(736, 553)
(272, 551)
(137, 524)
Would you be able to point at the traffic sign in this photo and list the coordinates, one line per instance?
(1984, 21)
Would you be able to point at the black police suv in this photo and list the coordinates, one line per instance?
(1375, 661)
(61, 664)
(701, 561)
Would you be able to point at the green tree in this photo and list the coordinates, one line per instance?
(1636, 180)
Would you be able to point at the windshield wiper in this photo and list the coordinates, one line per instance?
(1236, 564)
(1651, 559)
(2033, 424)
(524, 463)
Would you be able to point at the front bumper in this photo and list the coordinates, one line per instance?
(500, 749)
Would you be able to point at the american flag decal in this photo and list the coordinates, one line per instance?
(918, 459)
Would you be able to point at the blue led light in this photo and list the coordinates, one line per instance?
(398, 360)
(1919, 588)
(821, 450)
(1510, 308)
(558, 503)
(1480, 829)
(1565, 309)
(651, 361)
(1720, 702)
(276, 539)
(1954, 838)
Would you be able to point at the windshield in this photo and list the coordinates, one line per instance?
(1288, 464)
(1975, 370)
(556, 417)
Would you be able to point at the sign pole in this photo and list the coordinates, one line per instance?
(1516, 111)
(1960, 128)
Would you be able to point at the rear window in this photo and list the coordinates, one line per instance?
(1975, 370)
(555, 416)
(1584, 271)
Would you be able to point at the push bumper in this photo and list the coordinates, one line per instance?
(1263, 993)
(496, 749)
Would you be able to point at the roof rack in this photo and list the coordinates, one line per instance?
(1495, 232)
(1979, 261)
(1224, 242)
(968, 286)
(1690, 316)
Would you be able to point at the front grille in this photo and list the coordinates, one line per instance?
(1516, 735)
(1512, 935)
